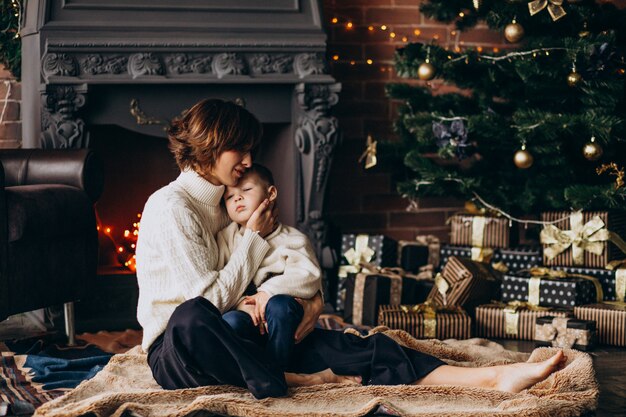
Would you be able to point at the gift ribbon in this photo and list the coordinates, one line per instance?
(511, 313)
(560, 335)
(395, 290)
(434, 247)
(429, 312)
(478, 231)
(620, 278)
(536, 273)
(360, 253)
(442, 286)
(482, 254)
(555, 8)
(591, 236)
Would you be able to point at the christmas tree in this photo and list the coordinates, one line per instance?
(538, 126)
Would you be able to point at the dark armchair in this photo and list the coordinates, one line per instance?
(48, 236)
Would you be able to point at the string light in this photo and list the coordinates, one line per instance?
(125, 248)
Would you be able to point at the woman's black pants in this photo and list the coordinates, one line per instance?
(199, 348)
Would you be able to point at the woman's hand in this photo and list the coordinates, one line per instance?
(263, 220)
(312, 310)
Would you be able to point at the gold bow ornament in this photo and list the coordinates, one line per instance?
(559, 335)
(369, 154)
(360, 254)
(537, 273)
(555, 8)
(511, 313)
(591, 237)
(395, 290)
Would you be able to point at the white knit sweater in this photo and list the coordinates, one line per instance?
(290, 266)
(177, 253)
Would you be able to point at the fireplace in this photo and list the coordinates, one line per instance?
(110, 75)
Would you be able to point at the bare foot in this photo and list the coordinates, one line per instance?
(323, 377)
(519, 376)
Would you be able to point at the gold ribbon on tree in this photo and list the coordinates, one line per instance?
(591, 237)
(361, 253)
(560, 335)
(620, 278)
(511, 313)
(537, 273)
(555, 8)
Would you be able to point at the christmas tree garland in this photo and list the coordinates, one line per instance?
(10, 40)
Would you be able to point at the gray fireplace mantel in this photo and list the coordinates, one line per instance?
(86, 61)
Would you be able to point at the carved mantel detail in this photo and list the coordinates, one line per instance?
(317, 136)
(60, 126)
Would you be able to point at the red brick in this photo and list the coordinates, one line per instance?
(10, 144)
(351, 146)
(380, 129)
(5, 74)
(359, 72)
(422, 219)
(361, 107)
(400, 234)
(342, 203)
(16, 91)
(440, 202)
(482, 36)
(380, 51)
(351, 90)
(351, 126)
(392, 15)
(11, 111)
(375, 89)
(384, 202)
(347, 14)
(10, 131)
(346, 52)
(359, 222)
(359, 184)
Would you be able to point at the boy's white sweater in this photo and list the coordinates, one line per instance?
(290, 266)
(177, 254)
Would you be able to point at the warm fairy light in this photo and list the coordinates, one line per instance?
(436, 37)
(126, 233)
(453, 33)
(496, 50)
(120, 249)
(383, 27)
(461, 14)
(133, 246)
(392, 35)
(547, 53)
(98, 228)
(369, 62)
(370, 28)
(334, 20)
(457, 48)
(479, 48)
(107, 230)
(417, 32)
(449, 56)
(135, 233)
(352, 62)
(335, 57)
(349, 25)
(405, 39)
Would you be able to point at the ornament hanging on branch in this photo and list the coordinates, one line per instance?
(514, 32)
(555, 8)
(426, 70)
(614, 170)
(369, 154)
(477, 4)
(452, 140)
(522, 158)
(602, 60)
(585, 30)
(574, 78)
(592, 151)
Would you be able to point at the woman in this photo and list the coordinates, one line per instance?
(182, 296)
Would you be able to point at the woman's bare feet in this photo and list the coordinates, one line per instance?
(519, 376)
(323, 377)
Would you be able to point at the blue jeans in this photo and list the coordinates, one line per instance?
(283, 315)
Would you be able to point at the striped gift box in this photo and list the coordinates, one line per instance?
(446, 324)
(480, 231)
(610, 321)
(499, 322)
(465, 283)
(614, 221)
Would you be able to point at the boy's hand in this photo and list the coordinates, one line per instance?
(312, 309)
(259, 301)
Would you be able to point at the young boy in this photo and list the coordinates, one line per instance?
(288, 271)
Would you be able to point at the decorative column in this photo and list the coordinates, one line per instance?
(317, 135)
(61, 128)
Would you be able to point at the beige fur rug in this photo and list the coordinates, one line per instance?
(126, 387)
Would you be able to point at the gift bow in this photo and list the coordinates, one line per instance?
(538, 272)
(511, 313)
(361, 253)
(590, 237)
(560, 336)
(429, 311)
(620, 278)
(555, 8)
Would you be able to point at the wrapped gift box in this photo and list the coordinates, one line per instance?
(583, 239)
(377, 250)
(610, 321)
(514, 321)
(565, 332)
(515, 259)
(423, 322)
(365, 292)
(481, 231)
(550, 291)
(465, 283)
(415, 254)
(613, 281)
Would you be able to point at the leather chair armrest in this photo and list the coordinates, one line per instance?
(80, 168)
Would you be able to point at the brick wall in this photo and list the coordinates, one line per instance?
(10, 124)
(366, 201)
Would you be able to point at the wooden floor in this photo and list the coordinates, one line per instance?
(610, 365)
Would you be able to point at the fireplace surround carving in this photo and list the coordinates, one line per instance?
(84, 61)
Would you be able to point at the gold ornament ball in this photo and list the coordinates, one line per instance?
(573, 79)
(592, 151)
(426, 71)
(514, 32)
(523, 159)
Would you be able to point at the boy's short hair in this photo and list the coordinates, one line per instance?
(209, 128)
(262, 172)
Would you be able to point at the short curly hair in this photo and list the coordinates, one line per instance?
(209, 128)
